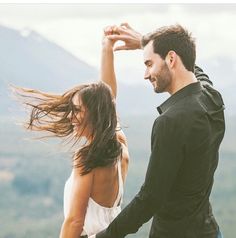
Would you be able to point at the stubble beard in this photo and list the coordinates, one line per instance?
(163, 79)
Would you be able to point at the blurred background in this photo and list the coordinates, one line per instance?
(53, 47)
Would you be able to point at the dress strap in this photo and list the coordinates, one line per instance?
(120, 183)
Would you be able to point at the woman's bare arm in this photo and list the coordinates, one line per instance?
(81, 189)
(107, 71)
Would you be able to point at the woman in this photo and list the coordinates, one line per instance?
(93, 193)
(92, 201)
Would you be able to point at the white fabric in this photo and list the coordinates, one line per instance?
(97, 217)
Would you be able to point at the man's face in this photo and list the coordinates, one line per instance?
(157, 71)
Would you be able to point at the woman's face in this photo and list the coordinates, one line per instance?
(78, 116)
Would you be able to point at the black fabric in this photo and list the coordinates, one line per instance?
(184, 156)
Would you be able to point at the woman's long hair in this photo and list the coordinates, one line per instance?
(52, 113)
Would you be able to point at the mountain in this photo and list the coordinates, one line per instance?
(27, 59)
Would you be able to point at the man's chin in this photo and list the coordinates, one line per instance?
(157, 90)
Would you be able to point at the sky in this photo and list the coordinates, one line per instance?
(78, 27)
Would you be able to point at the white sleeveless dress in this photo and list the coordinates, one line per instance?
(97, 217)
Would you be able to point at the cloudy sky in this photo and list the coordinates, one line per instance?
(78, 27)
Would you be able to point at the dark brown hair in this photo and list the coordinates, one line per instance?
(50, 113)
(175, 38)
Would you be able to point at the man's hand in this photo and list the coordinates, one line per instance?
(125, 33)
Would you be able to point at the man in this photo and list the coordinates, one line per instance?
(184, 144)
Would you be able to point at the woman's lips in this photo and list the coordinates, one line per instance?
(75, 125)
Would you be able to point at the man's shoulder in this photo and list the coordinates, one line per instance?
(180, 115)
(169, 119)
(180, 112)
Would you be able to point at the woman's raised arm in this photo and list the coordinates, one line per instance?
(107, 71)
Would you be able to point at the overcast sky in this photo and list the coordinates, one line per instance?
(78, 27)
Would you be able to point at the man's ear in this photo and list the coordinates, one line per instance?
(171, 59)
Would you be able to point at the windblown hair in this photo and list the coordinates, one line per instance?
(52, 113)
(175, 38)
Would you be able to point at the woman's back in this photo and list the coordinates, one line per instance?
(106, 183)
(106, 195)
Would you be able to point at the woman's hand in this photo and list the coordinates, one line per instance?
(109, 30)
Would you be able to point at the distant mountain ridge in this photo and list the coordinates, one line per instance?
(31, 60)
(28, 59)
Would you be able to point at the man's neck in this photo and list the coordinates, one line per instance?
(180, 80)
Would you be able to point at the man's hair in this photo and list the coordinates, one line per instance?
(175, 38)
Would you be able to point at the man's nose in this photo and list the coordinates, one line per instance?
(146, 74)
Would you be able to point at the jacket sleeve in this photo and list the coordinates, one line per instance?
(161, 173)
(202, 76)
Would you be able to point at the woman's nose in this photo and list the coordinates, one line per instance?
(70, 115)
